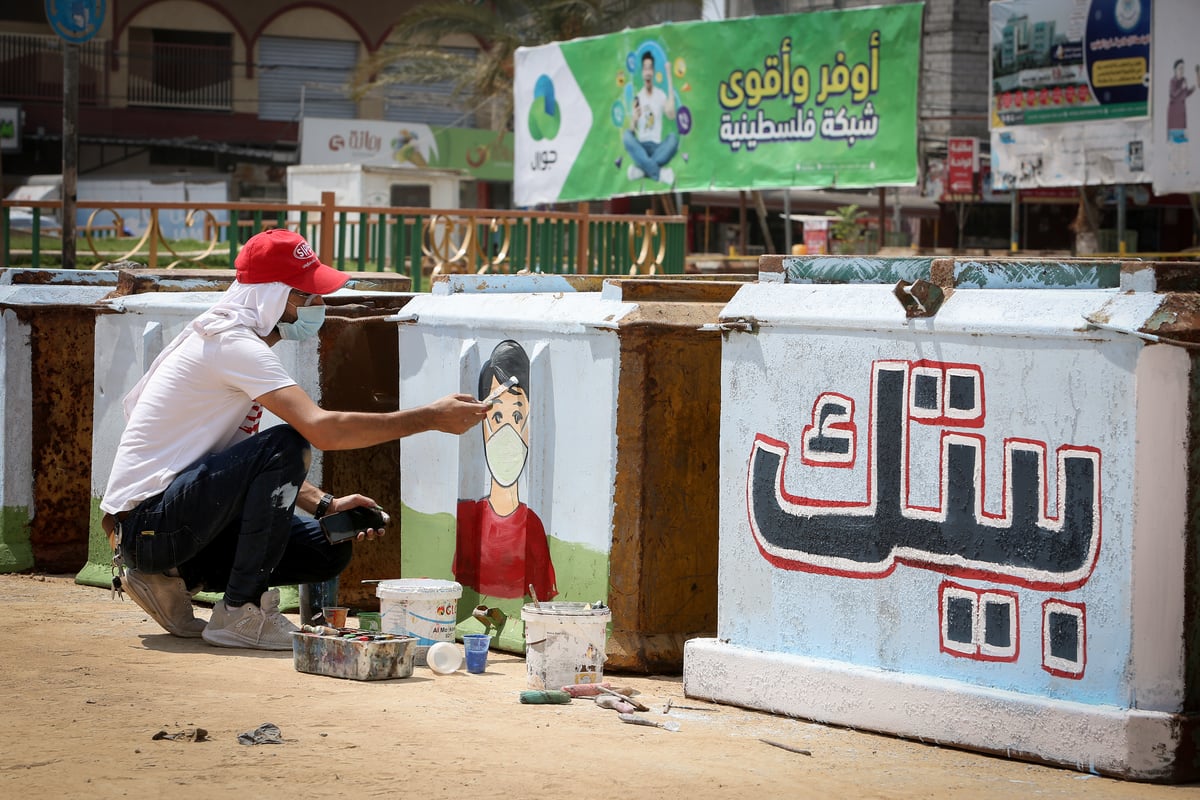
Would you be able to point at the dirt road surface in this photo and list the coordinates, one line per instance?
(90, 681)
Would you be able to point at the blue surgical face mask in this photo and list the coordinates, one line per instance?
(308, 321)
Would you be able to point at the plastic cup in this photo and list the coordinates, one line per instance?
(370, 621)
(335, 616)
(443, 658)
(476, 646)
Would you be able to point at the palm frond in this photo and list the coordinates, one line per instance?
(499, 27)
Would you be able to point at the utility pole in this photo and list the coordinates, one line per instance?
(882, 220)
(75, 23)
(1014, 236)
(70, 150)
(1121, 218)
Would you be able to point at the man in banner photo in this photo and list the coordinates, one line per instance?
(644, 140)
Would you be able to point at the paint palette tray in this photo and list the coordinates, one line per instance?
(354, 655)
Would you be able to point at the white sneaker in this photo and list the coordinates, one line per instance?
(166, 599)
(259, 627)
(666, 175)
(635, 173)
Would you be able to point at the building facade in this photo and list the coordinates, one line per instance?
(201, 86)
(218, 87)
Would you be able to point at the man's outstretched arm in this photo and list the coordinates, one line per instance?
(350, 430)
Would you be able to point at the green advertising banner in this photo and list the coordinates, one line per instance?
(484, 155)
(824, 99)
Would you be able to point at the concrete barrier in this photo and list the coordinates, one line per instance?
(611, 495)
(350, 366)
(961, 513)
(45, 404)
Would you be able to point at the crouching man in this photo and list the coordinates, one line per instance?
(199, 498)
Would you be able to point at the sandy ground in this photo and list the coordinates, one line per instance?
(90, 681)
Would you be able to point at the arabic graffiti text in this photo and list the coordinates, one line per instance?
(1034, 541)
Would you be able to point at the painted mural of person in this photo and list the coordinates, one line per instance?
(1177, 96)
(1178, 93)
(501, 545)
(649, 149)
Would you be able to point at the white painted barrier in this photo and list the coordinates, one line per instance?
(969, 527)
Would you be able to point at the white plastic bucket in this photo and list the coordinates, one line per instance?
(564, 644)
(421, 607)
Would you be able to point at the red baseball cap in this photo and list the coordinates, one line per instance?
(280, 255)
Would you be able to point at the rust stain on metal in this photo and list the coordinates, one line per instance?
(920, 298)
(360, 307)
(941, 273)
(1169, 276)
(62, 343)
(663, 562)
(770, 263)
(376, 282)
(59, 277)
(359, 370)
(667, 291)
(139, 280)
(1102, 316)
(142, 281)
(1177, 317)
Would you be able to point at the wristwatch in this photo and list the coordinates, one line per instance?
(322, 506)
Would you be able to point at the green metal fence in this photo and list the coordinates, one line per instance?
(418, 242)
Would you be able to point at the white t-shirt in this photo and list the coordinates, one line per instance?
(200, 400)
(649, 125)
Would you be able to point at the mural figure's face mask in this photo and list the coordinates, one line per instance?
(505, 432)
(506, 452)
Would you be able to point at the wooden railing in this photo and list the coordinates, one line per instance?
(415, 241)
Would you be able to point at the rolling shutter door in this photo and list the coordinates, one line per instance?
(431, 103)
(317, 70)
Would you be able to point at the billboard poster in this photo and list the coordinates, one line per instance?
(962, 164)
(1104, 152)
(816, 236)
(1058, 61)
(484, 155)
(803, 100)
(10, 128)
(1176, 166)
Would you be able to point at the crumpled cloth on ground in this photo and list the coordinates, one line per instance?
(267, 733)
(191, 734)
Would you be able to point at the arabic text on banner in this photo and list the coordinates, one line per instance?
(1059, 61)
(803, 100)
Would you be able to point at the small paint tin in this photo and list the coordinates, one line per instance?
(370, 621)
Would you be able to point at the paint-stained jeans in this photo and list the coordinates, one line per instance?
(227, 522)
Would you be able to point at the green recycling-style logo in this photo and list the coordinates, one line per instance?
(544, 115)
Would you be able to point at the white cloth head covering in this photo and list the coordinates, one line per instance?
(257, 306)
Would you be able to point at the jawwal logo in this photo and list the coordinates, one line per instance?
(545, 120)
(544, 117)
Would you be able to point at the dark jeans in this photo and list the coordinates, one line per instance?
(227, 522)
(650, 157)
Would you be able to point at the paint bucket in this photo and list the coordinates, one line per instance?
(420, 607)
(564, 644)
